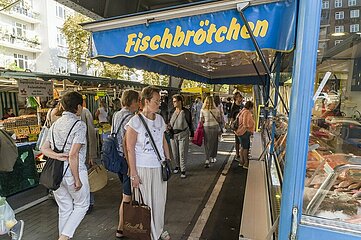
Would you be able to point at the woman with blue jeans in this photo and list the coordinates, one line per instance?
(130, 102)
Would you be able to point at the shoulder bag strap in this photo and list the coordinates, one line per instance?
(219, 124)
(176, 118)
(121, 123)
(151, 137)
(66, 140)
(112, 132)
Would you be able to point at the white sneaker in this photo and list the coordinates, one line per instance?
(206, 164)
(16, 232)
(213, 160)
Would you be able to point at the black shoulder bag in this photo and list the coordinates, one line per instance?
(53, 171)
(165, 164)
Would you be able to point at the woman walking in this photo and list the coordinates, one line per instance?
(210, 116)
(72, 196)
(130, 102)
(145, 168)
(245, 129)
(102, 113)
(182, 128)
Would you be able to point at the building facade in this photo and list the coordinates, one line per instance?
(339, 20)
(31, 38)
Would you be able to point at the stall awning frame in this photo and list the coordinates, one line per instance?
(195, 66)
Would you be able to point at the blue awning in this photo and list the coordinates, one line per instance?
(209, 43)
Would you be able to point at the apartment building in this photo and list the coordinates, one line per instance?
(31, 37)
(339, 20)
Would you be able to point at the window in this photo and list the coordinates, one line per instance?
(21, 61)
(355, 13)
(19, 30)
(63, 65)
(339, 15)
(325, 4)
(354, 28)
(352, 2)
(338, 3)
(338, 42)
(60, 38)
(339, 29)
(60, 11)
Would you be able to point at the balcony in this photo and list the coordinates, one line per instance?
(28, 41)
(23, 14)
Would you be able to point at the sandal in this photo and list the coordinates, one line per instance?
(119, 234)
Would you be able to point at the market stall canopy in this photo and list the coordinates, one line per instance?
(99, 9)
(8, 80)
(207, 43)
(199, 90)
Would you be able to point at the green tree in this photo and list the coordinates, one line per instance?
(190, 84)
(153, 78)
(13, 66)
(114, 71)
(6, 3)
(77, 38)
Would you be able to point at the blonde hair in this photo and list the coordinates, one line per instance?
(209, 103)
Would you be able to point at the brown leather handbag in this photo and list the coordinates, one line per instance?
(137, 218)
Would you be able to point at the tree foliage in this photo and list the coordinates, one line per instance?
(5, 3)
(115, 71)
(153, 78)
(76, 37)
(190, 84)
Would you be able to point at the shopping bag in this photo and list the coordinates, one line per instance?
(137, 218)
(7, 217)
(98, 177)
(199, 135)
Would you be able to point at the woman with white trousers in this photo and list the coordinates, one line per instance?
(144, 166)
(72, 196)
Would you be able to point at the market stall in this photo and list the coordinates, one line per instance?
(226, 42)
(27, 93)
(215, 43)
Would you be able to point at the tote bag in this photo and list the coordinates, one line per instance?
(137, 218)
(199, 135)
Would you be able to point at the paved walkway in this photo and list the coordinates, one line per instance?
(186, 200)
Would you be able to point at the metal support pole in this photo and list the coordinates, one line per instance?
(264, 81)
(259, 51)
(304, 70)
(275, 105)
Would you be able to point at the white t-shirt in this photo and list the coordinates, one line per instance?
(61, 129)
(103, 115)
(209, 119)
(144, 153)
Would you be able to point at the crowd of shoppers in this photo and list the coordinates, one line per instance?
(135, 145)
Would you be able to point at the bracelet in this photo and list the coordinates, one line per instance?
(133, 177)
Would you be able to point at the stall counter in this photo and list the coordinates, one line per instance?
(24, 175)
